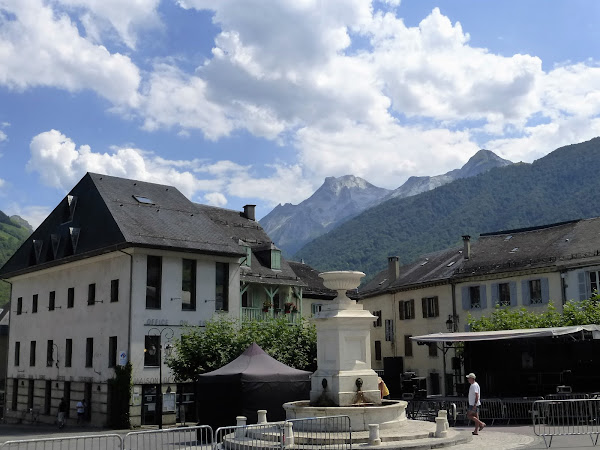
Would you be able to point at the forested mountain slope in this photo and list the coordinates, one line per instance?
(13, 231)
(561, 186)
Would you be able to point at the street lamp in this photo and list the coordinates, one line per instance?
(168, 335)
(452, 323)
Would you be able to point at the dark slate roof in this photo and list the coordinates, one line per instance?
(240, 229)
(433, 268)
(314, 284)
(550, 245)
(110, 218)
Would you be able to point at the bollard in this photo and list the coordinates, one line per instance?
(374, 434)
(240, 422)
(288, 434)
(440, 427)
(262, 416)
(443, 413)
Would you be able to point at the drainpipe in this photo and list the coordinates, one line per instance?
(130, 304)
(7, 350)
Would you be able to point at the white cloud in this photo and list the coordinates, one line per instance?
(34, 215)
(125, 17)
(40, 47)
(3, 136)
(215, 199)
(60, 163)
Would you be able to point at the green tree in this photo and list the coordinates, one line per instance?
(582, 312)
(203, 349)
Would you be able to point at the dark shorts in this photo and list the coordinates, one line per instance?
(473, 409)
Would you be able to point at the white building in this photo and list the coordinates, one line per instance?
(111, 276)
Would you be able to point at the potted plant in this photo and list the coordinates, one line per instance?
(266, 306)
(290, 307)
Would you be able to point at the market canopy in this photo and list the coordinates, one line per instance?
(508, 334)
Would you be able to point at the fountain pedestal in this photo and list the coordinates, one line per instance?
(344, 376)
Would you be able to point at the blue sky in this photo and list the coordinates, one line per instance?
(257, 101)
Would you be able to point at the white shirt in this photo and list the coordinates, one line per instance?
(81, 408)
(474, 389)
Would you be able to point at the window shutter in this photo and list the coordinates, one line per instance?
(582, 278)
(436, 307)
(424, 307)
(401, 310)
(482, 296)
(525, 292)
(466, 300)
(495, 294)
(513, 293)
(545, 290)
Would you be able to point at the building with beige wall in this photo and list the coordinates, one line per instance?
(526, 268)
(111, 277)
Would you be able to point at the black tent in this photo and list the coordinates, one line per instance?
(252, 381)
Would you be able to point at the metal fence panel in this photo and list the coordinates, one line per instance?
(265, 436)
(519, 409)
(94, 442)
(333, 433)
(196, 437)
(566, 418)
(491, 409)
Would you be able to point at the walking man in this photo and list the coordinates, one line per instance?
(474, 403)
(80, 411)
(62, 412)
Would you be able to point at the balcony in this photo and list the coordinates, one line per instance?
(257, 314)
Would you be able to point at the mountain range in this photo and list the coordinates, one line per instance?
(13, 232)
(558, 187)
(339, 199)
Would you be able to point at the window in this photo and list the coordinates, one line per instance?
(143, 200)
(51, 300)
(433, 349)
(48, 397)
(594, 282)
(19, 305)
(68, 352)
(248, 260)
(112, 351)
(17, 353)
(389, 330)
(153, 282)
(315, 308)
(430, 307)
(114, 291)
(34, 304)
(276, 259)
(89, 352)
(377, 350)
(535, 292)
(408, 348)
(70, 297)
(475, 296)
(15, 394)
(222, 287)
(32, 353)
(91, 293)
(406, 309)
(377, 323)
(188, 285)
(49, 353)
(151, 348)
(504, 294)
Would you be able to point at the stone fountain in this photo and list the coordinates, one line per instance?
(344, 383)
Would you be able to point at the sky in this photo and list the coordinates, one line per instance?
(240, 102)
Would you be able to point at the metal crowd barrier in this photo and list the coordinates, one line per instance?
(94, 442)
(571, 417)
(263, 436)
(194, 437)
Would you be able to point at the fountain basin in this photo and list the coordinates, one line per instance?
(390, 414)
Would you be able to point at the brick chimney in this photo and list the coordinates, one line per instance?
(393, 268)
(250, 212)
(466, 246)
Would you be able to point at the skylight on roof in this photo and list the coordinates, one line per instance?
(450, 264)
(144, 200)
(423, 263)
(514, 250)
(508, 238)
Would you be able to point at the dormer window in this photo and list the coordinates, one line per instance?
(248, 260)
(275, 259)
(143, 200)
